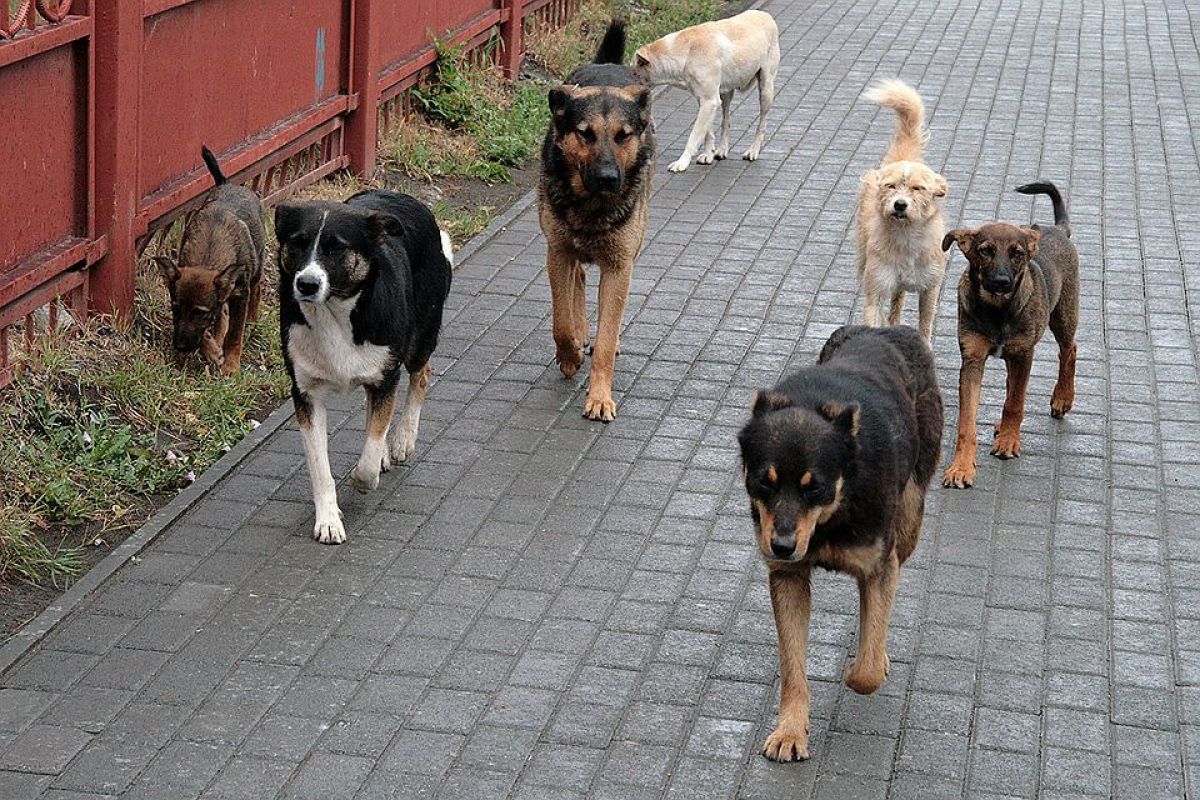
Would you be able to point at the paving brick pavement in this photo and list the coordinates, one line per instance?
(543, 607)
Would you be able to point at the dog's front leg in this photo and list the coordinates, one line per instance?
(722, 151)
(927, 305)
(614, 291)
(766, 96)
(310, 414)
(235, 336)
(563, 269)
(212, 340)
(961, 472)
(709, 104)
(404, 435)
(1008, 432)
(381, 402)
(791, 601)
(876, 593)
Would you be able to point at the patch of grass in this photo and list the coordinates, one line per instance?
(473, 123)
(462, 223)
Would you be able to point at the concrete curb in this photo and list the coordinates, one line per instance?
(36, 629)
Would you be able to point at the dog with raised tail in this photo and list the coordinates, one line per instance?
(900, 225)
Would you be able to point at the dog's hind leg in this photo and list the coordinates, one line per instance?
(614, 292)
(1062, 325)
(722, 150)
(704, 120)
(927, 305)
(1008, 433)
(381, 403)
(876, 593)
(565, 298)
(897, 311)
(766, 96)
(404, 435)
(909, 517)
(310, 414)
(791, 602)
(255, 299)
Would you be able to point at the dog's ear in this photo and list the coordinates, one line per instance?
(641, 96)
(844, 417)
(168, 269)
(940, 188)
(767, 401)
(1032, 238)
(870, 177)
(381, 226)
(963, 237)
(560, 106)
(289, 217)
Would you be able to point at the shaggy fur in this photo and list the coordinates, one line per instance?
(900, 224)
(712, 61)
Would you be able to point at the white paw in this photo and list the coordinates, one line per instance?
(364, 478)
(678, 166)
(330, 530)
(751, 155)
(706, 158)
(403, 443)
(721, 153)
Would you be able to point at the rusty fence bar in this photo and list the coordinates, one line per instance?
(122, 87)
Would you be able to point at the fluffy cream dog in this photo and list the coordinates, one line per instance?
(900, 224)
(711, 61)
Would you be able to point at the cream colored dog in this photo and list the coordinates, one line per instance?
(712, 60)
(900, 225)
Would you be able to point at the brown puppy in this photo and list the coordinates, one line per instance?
(593, 204)
(1019, 281)
(216, 284)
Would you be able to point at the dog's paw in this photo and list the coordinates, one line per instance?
(866, 678)
(365, 479)
(678, 166)
(788, 742)
(706, 158)
(1007, 445)
(230, 366)
(750, 155)
(404, 442)
(1061, 403)
(330, 531)
(959, 475)
(600, 407)
(721, 153)
(569, 360)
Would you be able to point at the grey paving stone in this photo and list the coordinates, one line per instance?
(43, 748)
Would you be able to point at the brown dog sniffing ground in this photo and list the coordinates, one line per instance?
(1018, 282)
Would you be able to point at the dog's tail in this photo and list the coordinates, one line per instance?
(447, 246)
(214, 168)
(910, 136)
(612, 46)
(1061, 219)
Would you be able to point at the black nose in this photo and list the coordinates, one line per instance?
(1000, 284)
(900, 205)
(307, 287)
(608, 179)
(783, 548)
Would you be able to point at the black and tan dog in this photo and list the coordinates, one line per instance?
(1018, 282)
(837, 460)
(593, 204)
(216, 284)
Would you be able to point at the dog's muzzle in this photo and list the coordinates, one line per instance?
(900, 209)
(1000, 285)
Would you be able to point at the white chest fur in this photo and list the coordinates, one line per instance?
(324, 352)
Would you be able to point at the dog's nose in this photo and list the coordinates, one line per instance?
(783, 548)
(999, 284)
(900, 205)
(307, 286)
(608, 179)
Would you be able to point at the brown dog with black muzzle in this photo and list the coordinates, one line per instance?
(593, 203)
(1018, 282)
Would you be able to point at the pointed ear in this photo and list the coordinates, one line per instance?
(964, 238)
(844, 417)
(767, 401)
(1032, 238)
(168, 269)
(381, 226)
(940, 188)
(641, 96)
(560, 104)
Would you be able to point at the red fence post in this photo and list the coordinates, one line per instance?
(362, 128)
(117, 82)
(510, 36)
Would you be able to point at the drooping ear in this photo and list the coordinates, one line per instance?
(1032, 238)
(288, 219)
(381, 225)
(871, 178)
(940, 188)
(168, 269)
(766, 401)
(844, 417)
(224, 282)
(964, 238)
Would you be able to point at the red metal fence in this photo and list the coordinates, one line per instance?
(105, 104)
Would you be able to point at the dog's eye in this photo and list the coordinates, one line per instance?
(918, 188)
(621, 136)
(588, 135)
(1017, 254)
(987, 250)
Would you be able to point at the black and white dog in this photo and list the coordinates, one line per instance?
(361, 289)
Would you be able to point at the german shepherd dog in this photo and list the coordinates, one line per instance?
(837, 459)
(1019, 281)
(361, 290)
(593, 204)
(216, 284)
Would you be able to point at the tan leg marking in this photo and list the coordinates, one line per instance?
(791, 601)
